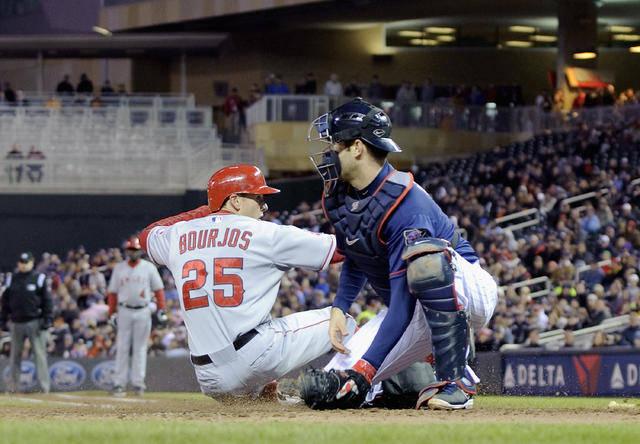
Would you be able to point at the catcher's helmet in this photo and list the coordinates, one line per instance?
(133, 243)
(356, 119)
(236, 179)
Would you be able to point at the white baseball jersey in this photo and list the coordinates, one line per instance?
(133, 285)
(227, 270)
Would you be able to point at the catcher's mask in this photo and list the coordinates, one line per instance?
(356, 119)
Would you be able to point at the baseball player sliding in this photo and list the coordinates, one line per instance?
(129, 295)
(227, 265)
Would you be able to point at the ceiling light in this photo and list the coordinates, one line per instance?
(626, 37)
(445, 38)
(440, 30)
(423, 42)
(635, 49)
(518, 43)
(519, 28)
(543, 38)
(408, 33)
(616, 28)
(100, 30)
(585, 55)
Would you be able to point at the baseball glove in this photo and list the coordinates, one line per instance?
(335, 389)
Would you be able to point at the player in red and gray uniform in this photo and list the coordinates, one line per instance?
(129, 296)
(227, 265)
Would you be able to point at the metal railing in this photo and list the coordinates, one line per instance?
(38, 116)
(158, 100)
(554, 339)
(442, 114)
(583, 197)
(544, 280)
(531, 216)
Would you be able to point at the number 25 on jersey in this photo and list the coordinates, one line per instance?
(221, 276)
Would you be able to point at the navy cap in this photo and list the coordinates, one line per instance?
(25, 257)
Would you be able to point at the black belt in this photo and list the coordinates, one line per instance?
(132, 307)
(240, 342)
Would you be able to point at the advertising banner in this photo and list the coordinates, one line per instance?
(605, 373)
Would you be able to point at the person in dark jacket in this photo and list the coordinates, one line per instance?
(26, 302)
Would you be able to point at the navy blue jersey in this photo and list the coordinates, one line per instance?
(417, 215)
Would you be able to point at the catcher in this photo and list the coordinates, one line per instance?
(394, 236)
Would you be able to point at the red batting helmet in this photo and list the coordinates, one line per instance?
(236, 179)
(133, 243)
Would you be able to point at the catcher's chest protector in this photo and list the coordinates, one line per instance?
(359, 221)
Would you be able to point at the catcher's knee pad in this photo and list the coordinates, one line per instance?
(430, 273)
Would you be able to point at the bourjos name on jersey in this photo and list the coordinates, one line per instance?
(209, 239)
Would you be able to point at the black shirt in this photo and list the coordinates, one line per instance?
(26, 298)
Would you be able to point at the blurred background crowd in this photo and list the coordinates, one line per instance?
(588, 249)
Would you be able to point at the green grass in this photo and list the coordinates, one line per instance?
(112, 431)
(450, 430)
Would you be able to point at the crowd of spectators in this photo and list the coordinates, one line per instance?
(84, 93)
(598, 235)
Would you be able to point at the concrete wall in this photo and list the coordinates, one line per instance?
(286, 146)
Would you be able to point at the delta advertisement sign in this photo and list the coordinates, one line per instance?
(571, 375)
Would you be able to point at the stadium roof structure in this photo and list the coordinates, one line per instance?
(116, 45)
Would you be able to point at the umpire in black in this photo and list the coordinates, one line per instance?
(27, 303)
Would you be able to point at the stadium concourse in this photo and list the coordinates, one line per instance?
(542, 173)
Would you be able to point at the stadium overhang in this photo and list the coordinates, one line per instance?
(116, 45)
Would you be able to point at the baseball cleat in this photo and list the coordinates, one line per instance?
(139, 391)
(451, 397)
(118, 391)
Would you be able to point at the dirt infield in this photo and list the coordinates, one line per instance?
(192, 407)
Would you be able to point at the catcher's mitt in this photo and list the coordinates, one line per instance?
(335, 389)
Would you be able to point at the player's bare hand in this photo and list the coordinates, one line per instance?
(338, 330)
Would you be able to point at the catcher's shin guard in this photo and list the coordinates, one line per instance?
(450, 339)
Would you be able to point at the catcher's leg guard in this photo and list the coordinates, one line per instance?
(430, 275)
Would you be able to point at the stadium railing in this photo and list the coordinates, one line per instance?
(526, 218)
(114, 149)
(158, 100)
(581, 198)
(542, 282)
(554, 339)
(442, 114)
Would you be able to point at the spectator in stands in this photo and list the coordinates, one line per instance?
(35, 153)
(579, 99)
(600, 339)
(333, 87)
(65, 87)
(485, 342)
(375, 90)
(308, 85)
(631, 334)
(122, 90)
(558, 101)
(405, 99)
(277, 86)
(353, 89)
(9, 94)
(533, 339)
(428, 92)
(107, 89)
(233, 108)
(52, 103)
(590, 221)
(569, 339)
(255, 94)
(15, 153)
(370, 310)
(85, 86)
